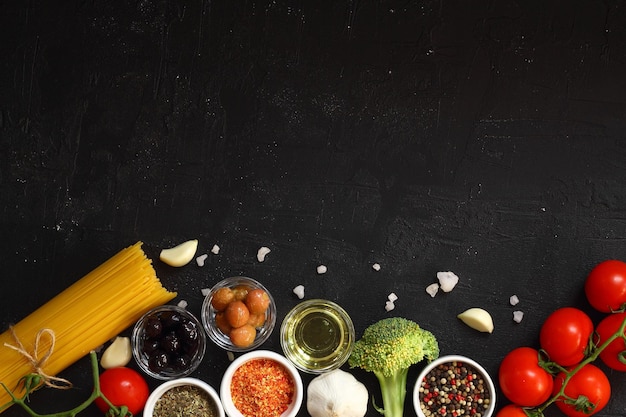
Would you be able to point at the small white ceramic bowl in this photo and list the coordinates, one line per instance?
(148, 410)
(225, 393)
(470, 365)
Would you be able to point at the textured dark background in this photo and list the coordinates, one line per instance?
(481, 137)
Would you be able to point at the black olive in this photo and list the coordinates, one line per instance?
(171, 343)
(153, 327)
(158, 361)
(188, 331)
(181, 362)
(171, 319)
(150, 345)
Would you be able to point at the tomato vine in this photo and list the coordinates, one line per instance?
(33, 381)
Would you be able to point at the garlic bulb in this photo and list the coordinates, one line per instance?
(336, 394)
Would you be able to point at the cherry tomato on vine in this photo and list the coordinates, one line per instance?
(589, 381)
(611, 354)
(522, 380)
(605, 286)
(511, 410)
(123, 386)
(565, 335)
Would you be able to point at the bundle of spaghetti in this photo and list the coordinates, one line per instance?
(84, 316)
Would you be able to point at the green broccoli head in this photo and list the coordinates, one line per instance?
(391, 345)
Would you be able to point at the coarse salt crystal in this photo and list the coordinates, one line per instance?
(518, 316)
(376, 267)
(215, 249)
(321, 269)
(514, 300)
(182, 304)
(299, 291)
(262, 252)
(230, 355)
(389, 305)
(432, 289)
(200, 259)
(447, 280)
(205, 291)
(392, 297)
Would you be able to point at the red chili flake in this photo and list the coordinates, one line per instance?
(261, 388)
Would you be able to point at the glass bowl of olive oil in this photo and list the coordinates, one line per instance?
(317, 336)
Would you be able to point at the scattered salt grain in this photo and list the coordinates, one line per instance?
(262, 252)
(514, 300)
(200, 259)
(432, 289)
(321, 269)
(447, 280)
(392, 297)
(299, 291)
(389, 305)
(376, 267)
(215, 250)
(230, 355)
(518, 316)
(205, 291)
(182, 304)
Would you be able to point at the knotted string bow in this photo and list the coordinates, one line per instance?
(38, 363)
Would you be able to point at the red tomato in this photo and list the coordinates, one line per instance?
(607, 328)
(522, 380)
(123, 386)
(605, 286)
(565, 335)
(511, 410)
(589, 381)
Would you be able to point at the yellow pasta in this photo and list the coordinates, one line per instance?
(87, 314)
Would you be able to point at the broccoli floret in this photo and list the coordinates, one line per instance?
(388, 348)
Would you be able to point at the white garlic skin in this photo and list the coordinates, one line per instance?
(336, 394)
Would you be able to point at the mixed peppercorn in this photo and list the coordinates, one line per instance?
(452, 390)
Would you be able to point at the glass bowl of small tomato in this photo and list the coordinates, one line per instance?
(168, 342)
(238, 314)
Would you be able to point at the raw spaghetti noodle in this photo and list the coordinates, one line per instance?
(84, 316)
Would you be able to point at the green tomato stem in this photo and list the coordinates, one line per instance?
(96, 393)
(591, 358)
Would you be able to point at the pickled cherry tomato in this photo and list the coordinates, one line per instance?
(257, 320)
(221, 298)
(237, 314)
(241, 291)
(243, 336)
(257, 301)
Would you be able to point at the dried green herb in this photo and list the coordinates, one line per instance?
(185, 401)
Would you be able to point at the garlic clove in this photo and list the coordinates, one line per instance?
(117, 354)
(180, 255)
(477, 319)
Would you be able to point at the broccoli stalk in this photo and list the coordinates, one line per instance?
(388, 348)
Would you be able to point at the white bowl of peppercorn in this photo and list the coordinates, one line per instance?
(452, 386)
(261, 383)
(184, 397)
(168, 342)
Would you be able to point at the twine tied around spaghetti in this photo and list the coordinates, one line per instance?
(39, 363)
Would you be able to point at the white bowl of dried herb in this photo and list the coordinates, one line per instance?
(184, 396)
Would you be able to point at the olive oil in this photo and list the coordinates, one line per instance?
(317, 336)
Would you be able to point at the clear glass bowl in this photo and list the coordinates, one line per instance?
(457, 360)
(225, 386)
(185, 345)
(209, 314)
(317, 336)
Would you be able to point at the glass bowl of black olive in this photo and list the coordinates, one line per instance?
(168, 342)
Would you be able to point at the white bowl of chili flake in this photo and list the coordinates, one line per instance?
(261, 383)
(454, 386)
(184, 397)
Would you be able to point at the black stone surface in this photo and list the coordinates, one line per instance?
(481, 137)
